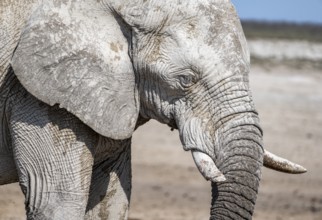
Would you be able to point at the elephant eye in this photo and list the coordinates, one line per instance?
(187, 81)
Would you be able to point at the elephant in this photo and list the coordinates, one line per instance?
(78, 77)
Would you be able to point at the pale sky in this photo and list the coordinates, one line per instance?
(300, 11)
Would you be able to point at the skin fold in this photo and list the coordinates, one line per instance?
(78, 77)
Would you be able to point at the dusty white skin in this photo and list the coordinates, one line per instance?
(115, 65)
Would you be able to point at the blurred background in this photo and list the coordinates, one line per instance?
(291, 11)
(285, 41)
(287, 32)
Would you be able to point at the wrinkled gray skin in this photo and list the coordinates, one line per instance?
(115, 64)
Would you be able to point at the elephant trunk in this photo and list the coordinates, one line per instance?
(240, 163)
(231, 157)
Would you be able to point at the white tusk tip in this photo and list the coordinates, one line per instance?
(299, 169)
(219, 179)
(207, 167)
(280, 164)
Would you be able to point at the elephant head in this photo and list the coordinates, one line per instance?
(183, 63)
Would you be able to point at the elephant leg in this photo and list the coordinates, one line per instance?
(111, 181)
(53, 151)
(8, 172)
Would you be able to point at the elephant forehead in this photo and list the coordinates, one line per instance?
(224, 31)
(208, 23)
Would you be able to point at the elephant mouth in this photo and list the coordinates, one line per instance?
(206, 164)
(172, 124)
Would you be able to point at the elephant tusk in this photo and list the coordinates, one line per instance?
(280, 164)
(207, 167)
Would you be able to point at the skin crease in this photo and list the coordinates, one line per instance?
(183, 63)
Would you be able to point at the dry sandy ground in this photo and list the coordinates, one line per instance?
(285, 49)
(167, 186)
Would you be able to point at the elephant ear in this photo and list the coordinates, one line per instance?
(76, 55)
